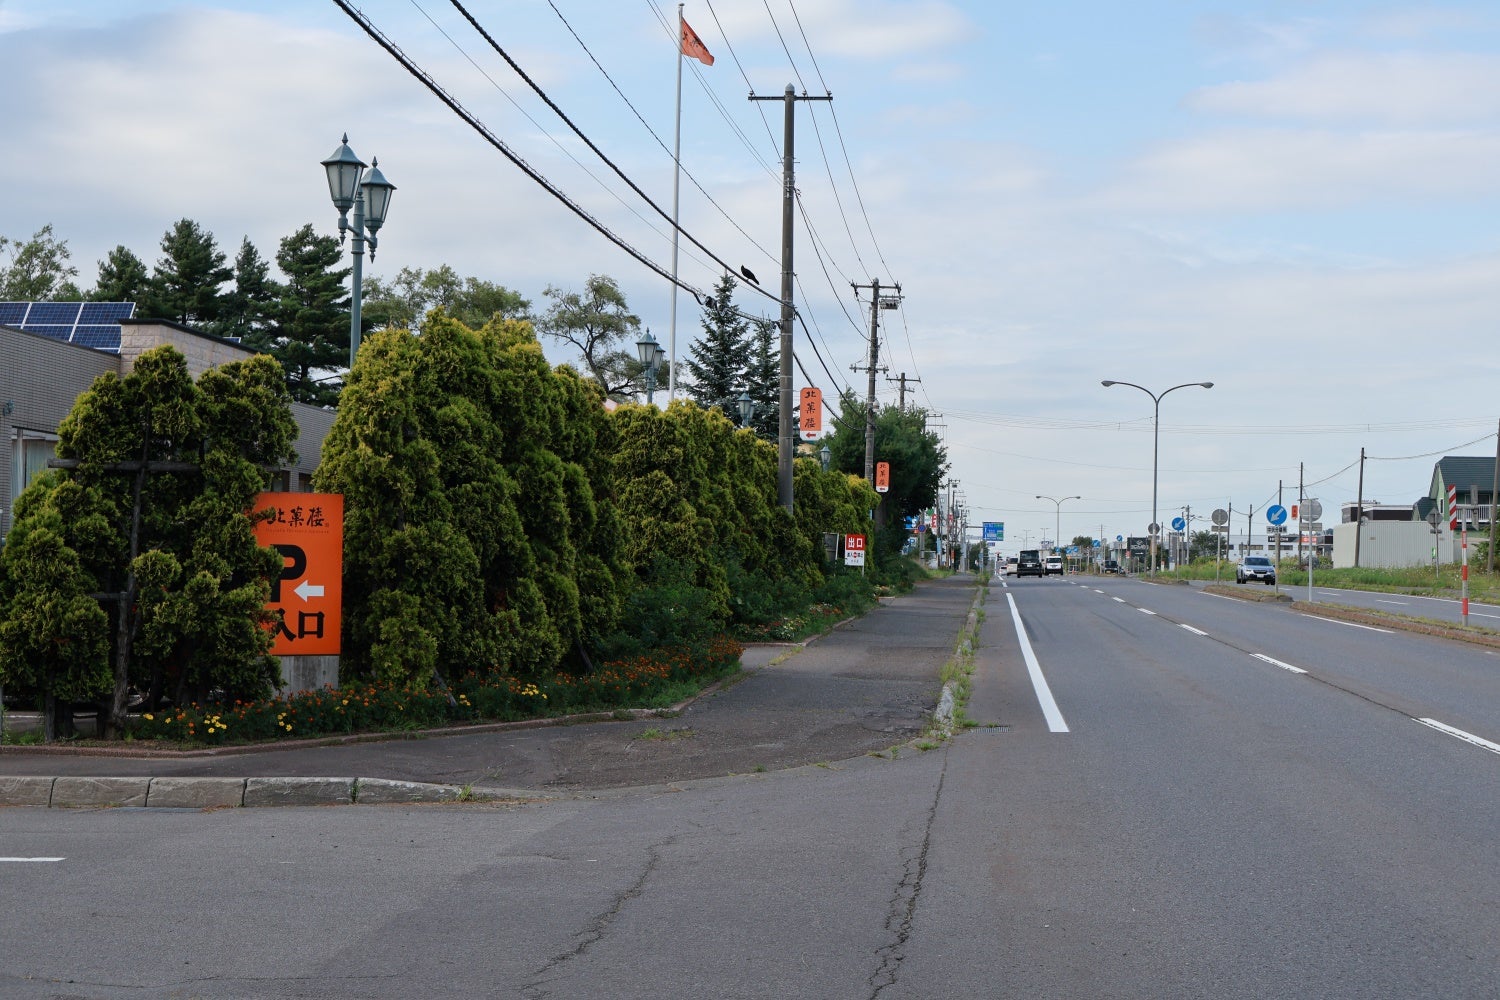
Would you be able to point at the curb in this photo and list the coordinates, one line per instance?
(219, 793)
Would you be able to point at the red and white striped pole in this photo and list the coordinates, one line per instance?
(1465, 590)
(1452, 508)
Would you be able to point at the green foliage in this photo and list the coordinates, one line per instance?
(250, 307)
(469, 479)
(197, 586)
(186, 281)
(311, 335)
(122, 278)
(718, 361)
(916, 455)
(599, 325)
(405, 300)
(37, 269)
(763, 379)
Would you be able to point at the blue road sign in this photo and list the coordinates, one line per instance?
(994, 531)
(1178, 524)
(1276, 514)
(1119, 538)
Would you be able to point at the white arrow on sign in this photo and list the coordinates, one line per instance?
(305, 590)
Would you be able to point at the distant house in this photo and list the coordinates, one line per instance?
(1423, 535)
(1475, 480)
(53, 351)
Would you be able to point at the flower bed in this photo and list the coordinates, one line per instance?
(648, 681)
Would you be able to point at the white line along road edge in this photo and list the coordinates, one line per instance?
(1277, 663)
(1466, 737)
(1055, 722)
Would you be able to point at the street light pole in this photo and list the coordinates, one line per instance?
(651, 355)
(1156, 399)
(349, 184)
(1057, 524)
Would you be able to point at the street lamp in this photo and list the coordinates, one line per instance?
(1155, 446)
(651, 354)
(747, 408)
(825, 455)
(368, 193)
(1057, 524)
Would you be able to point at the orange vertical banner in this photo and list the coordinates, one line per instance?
(810, 419)
(882, 477)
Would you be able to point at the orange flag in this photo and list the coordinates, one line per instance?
(693, 46)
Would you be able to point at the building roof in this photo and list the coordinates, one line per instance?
(1464, 471)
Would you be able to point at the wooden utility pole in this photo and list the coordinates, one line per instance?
(902, 379)
(785, 428)
(877, 303)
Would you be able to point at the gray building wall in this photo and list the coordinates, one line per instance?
(39, 380)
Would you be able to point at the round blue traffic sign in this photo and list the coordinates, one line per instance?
(1276, 514)
(1119, 538)
(1178, 524)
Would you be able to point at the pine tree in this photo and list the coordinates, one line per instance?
(122, 278)
(250, 308)
(764, 380)
(717, 363)
(312, 334)
(187, 281)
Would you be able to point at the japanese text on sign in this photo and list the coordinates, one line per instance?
(307, 597)
(810, 413)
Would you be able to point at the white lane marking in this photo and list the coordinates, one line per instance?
(1044, 697)
(1399, 604)
(1476, 614)
(1145, 612)
(1119, 600)
(1335, 621)
(23, 860)
(1277, 663)
(1098, 591)
(1466, 737)
(1195, 631)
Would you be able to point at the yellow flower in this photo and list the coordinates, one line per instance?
(148, 717)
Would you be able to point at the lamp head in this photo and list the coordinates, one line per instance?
(1107, 382)
(343, 169)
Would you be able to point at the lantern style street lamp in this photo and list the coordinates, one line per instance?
(825, 455)
(651, 355)
(368, 194)
(747, 408)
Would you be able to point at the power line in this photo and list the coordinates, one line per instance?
(586, 140)
(478, 126)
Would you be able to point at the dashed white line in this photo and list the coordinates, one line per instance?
(1277, 663)
(1120, 600)
(1055, 721)
(1145, 611)
(27, 860)
(1460, 734)
(1399, 604)
(1195, 631)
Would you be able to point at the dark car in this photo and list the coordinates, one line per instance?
(1111, 566)
(1256, 568)
(1029, 563)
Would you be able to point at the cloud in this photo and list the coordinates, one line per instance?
(857, 29)
(1407, 88)
(1253, 170)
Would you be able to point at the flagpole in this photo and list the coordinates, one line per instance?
(676, 184)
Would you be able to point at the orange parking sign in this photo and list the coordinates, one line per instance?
(308, 530)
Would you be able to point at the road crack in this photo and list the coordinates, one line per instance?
(599, 925)
(903, 907)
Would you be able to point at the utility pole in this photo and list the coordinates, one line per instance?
(788, 202)
(903, 379)
(877, 303)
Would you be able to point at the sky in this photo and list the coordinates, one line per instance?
(1297, 200)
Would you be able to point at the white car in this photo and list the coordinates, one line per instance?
(1053, 566)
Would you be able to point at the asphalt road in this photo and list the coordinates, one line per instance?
(1189, 817)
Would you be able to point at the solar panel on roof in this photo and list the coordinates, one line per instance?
(89, 324)
(102, 338)
(105, 312)
(53, 313)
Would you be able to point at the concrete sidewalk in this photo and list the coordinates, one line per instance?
(867, 686)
